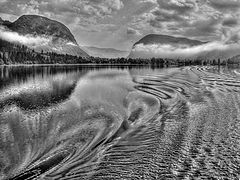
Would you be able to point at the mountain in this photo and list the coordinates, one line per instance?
(165, 39)
(105, 52)
(58, 38)
(148, 46)
(163, 46)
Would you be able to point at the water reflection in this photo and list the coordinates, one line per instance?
(22, 73)
(86, 122)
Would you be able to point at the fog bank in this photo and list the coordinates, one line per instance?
(28, 40)
(184, 51)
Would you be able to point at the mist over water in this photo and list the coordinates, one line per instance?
(86, 122)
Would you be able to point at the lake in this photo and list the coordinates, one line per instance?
(119, 122)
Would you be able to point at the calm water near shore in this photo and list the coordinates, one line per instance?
(119, 122)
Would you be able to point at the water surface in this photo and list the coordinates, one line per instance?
(86, 122)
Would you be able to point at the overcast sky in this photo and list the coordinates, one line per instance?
(120, 23)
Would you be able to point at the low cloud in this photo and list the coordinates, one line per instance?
(71, 44)
(28, 40)
(185, 51)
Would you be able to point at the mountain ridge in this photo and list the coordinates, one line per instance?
(105, 52)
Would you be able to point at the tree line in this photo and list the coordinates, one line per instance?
(11, 53)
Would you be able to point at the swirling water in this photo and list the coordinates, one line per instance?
(75, 122)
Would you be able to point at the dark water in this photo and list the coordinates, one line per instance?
(75, 122)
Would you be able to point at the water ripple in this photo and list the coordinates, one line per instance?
(176, 123)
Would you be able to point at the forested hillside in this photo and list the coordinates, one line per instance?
(11, 53)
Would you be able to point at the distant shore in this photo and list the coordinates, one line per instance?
(72, 64)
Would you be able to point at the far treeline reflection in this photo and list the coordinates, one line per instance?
(19, 54)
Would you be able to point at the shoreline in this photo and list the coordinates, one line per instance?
(75, 65)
